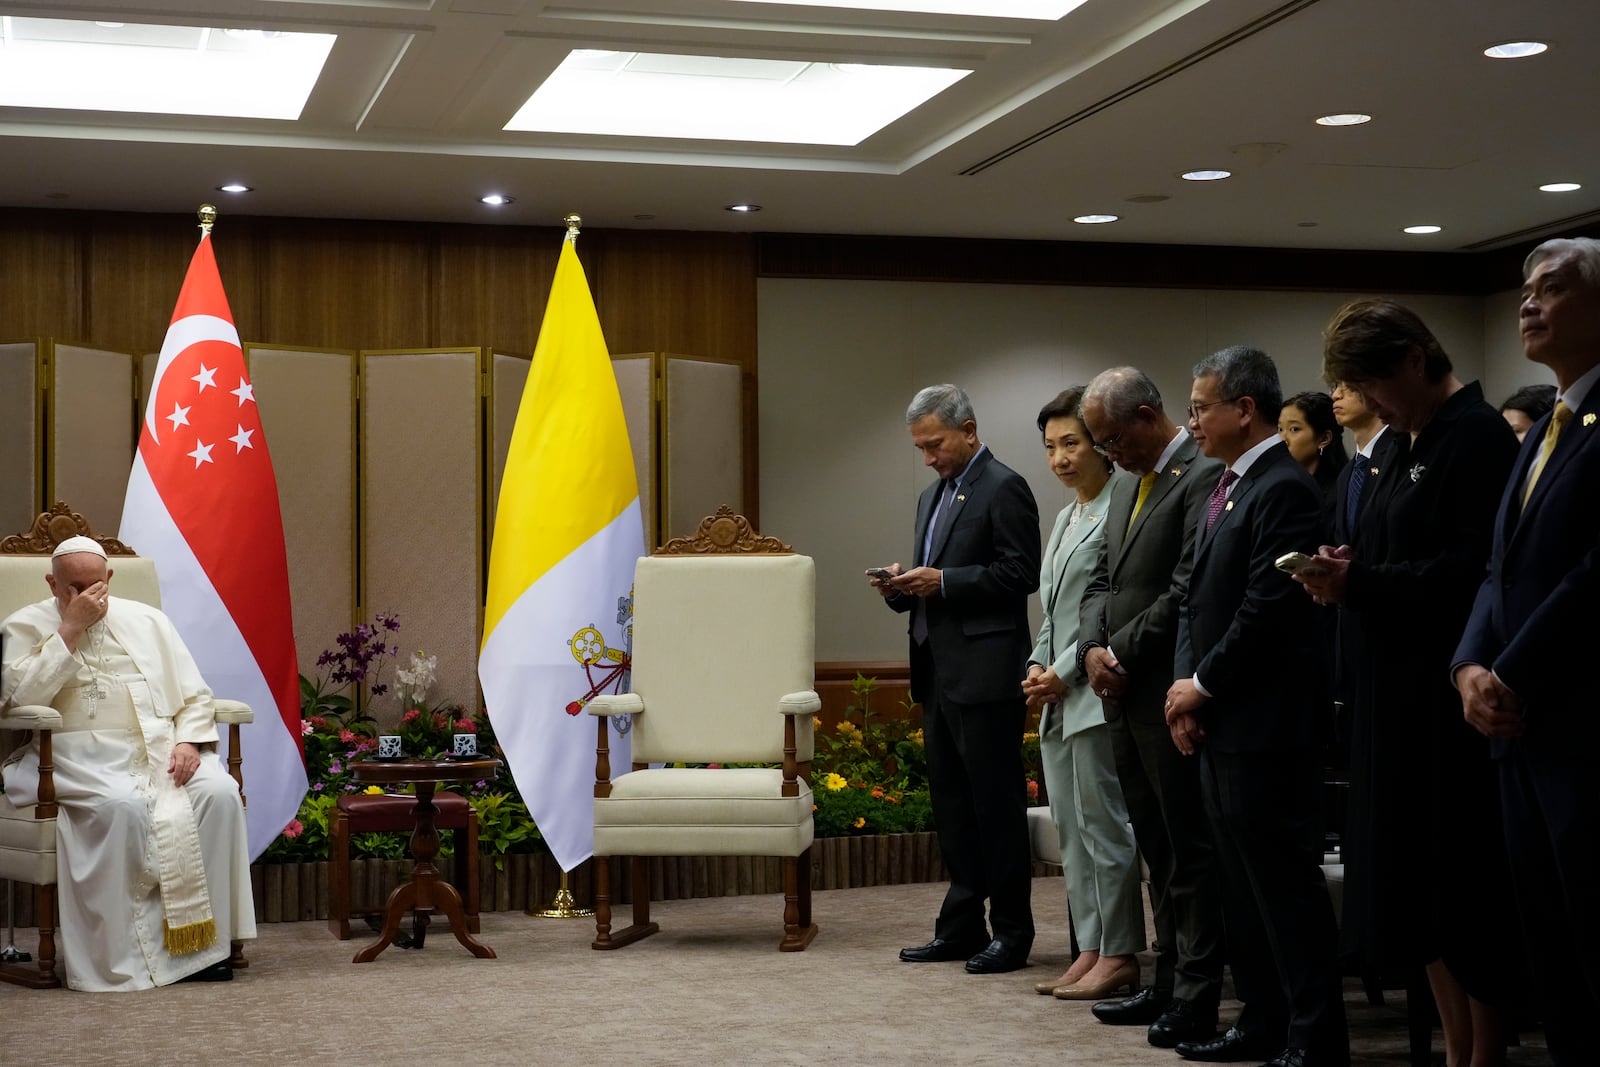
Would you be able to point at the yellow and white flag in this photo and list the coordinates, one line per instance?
(558, 620)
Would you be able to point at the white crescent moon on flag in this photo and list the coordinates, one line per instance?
(180, 335)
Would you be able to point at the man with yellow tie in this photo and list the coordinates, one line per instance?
(1128, 631)
(1522, 666)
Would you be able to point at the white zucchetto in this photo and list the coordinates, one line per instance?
(78, 544)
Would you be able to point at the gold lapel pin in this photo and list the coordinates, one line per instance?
(1177, 472)
(1374, 470)
(1588, 420)
(961, 496)
(1228, 506)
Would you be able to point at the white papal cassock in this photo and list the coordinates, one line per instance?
(127, 849)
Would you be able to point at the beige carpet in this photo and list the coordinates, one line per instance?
(711, 988)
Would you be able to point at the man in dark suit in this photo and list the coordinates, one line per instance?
(1128, 632)
(976, 552)
(1249, 668)
(1521, 665)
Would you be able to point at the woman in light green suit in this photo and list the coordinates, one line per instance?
(1080, 774)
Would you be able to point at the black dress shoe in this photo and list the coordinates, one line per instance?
(1183, 1021)
(1291, 1057)
(217, 972)
(940, 951)
(1141, 1009)
(997, 959)
(1231, 1047)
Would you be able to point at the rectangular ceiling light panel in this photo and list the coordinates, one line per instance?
(166, 70)
(1044, 10)
(640, 94)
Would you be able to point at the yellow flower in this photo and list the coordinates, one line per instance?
(834, 782)
(1030, 737)
(816, 722)
(372, 790)
(861, 821)
(848, 728)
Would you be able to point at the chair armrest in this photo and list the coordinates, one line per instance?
(616, 704)
(232, 711)
(807, 703)
(30, 717)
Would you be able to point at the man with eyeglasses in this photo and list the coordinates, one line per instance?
(1250, 683)
(1129, 625)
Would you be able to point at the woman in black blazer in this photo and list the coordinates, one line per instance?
(1425, 858)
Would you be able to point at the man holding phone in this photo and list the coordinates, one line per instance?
(976, 551)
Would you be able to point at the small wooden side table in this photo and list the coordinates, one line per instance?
(424, 891)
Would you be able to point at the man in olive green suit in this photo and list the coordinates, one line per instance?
(1128, 632)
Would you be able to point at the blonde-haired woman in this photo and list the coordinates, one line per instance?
(1097, 848)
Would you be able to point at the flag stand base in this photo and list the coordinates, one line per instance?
(563, 907)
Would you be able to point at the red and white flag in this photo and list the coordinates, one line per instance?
(203, 504)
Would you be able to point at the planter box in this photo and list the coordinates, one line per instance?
(298, 892)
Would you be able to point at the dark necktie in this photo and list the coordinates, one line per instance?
(1352, 494)
(936, 524)
(1219, 498)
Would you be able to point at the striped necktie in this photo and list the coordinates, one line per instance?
(1219, 497)
(1352, 496)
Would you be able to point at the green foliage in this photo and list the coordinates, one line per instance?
(870, 774)
(503, 826)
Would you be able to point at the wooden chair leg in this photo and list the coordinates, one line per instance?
(236, 957)
(642, 926)
(339, 876)
(46, 905)
(470, 904)
(797, 934)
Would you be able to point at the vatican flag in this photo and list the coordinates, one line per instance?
(559, 613)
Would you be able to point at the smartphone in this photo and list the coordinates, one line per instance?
(883, 574)
(1295, 562)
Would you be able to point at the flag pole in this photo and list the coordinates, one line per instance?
(564, 906)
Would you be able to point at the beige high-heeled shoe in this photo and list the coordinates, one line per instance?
(1048, 987)
(1124, 977)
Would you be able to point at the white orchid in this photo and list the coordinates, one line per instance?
(413, 682)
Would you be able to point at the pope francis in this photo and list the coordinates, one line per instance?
(154, 879)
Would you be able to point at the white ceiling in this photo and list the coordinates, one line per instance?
(1057, 119)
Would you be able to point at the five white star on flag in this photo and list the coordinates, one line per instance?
(246, 391)
(207, 376)
(201, 454)
(241, 440)
(179, 416)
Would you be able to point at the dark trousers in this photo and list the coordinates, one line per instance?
(1162, 789)
(1266, 817)
(1551, 801)
(977, 786)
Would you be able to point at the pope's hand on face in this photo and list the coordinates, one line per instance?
(83, 609)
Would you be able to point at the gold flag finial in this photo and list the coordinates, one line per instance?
(208, 217)
(574, 223)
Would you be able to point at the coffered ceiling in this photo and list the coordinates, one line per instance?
(1097, 112)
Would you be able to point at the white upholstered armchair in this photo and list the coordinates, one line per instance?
(28, 835)
(723, 640)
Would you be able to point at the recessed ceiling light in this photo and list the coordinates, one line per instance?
(159, 69)
(1515, 49)
(1205, 175)
(1349, 118)
(1423, 229)
(744, 208)
(235, 187)
(1093, 220)
(1560, 187)
(497, 200)
(727, 98)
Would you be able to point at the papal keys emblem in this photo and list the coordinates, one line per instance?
(605, 668)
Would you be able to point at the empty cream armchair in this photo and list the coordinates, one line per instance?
(723, 644)
(28, 835)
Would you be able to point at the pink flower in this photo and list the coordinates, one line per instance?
(465, 726)
(306, 729)
(318, 721)
(1033, 789)
(348, 737)
(411, 716)
(294, 829)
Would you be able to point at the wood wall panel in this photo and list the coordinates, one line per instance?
(347, 285)
(493, 284)
(41, 291)
(126, 304)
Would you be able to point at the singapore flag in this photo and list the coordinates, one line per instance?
(203, 504)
